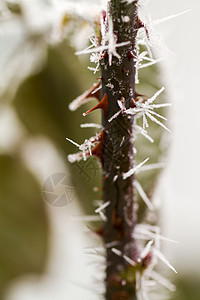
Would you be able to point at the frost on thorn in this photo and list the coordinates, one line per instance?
(93, 92)
(146, 250)
(146, 109)
(85, 148)
(109, 43)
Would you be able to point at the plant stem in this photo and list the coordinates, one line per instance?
(118, 151)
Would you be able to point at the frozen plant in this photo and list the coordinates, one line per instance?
(117, 52)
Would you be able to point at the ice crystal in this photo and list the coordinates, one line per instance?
(146, 109)
(133, 170)
(103, 206)
(143, 195)
(125, 257)
(90, 125)
(85, 148)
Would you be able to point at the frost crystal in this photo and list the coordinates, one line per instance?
(143, 132)
(143, 195)
(128, 259)
(161, 256)
(85, 148)
(165, 19)
(90, 125)
(146, 109)
(146, 250)
(133, 170)
(102, 207)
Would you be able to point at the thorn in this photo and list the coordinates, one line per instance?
(132, 103)
(105, 55)
(140, 95)
(103, 105)
(98, 149)
(99, 232)
(142, 25)
(93, 92)
(131, 55)
(104, 15)
(146, 260)
(137, 96)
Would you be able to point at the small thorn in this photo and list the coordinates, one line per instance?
(132, 103)
(147, 260)
(97, 151)
(131, 55)
(99, 232)
(138, 96)
(105, 55)
(104, 15)
(93, 92)
(142, 25)
(103, 105)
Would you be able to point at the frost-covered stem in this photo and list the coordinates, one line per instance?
(118, 82)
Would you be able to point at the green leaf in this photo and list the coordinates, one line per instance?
(23, 222)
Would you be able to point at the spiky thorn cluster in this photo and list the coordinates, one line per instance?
(129, 269)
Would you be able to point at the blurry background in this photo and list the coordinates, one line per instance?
(40, 246)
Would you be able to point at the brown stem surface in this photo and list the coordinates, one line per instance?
(118, 82)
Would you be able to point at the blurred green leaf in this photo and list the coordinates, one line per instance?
(23, 222)
(187, 288)
(42, 105)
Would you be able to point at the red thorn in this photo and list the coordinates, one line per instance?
(103, 105)
(132, 103)
(104, 55)
(99, 232)
(90, 93)
(104, 15)
(142, 25)
(101, 137)
(131, 55)
(138, 96)
(98, 149)
(147, 260)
